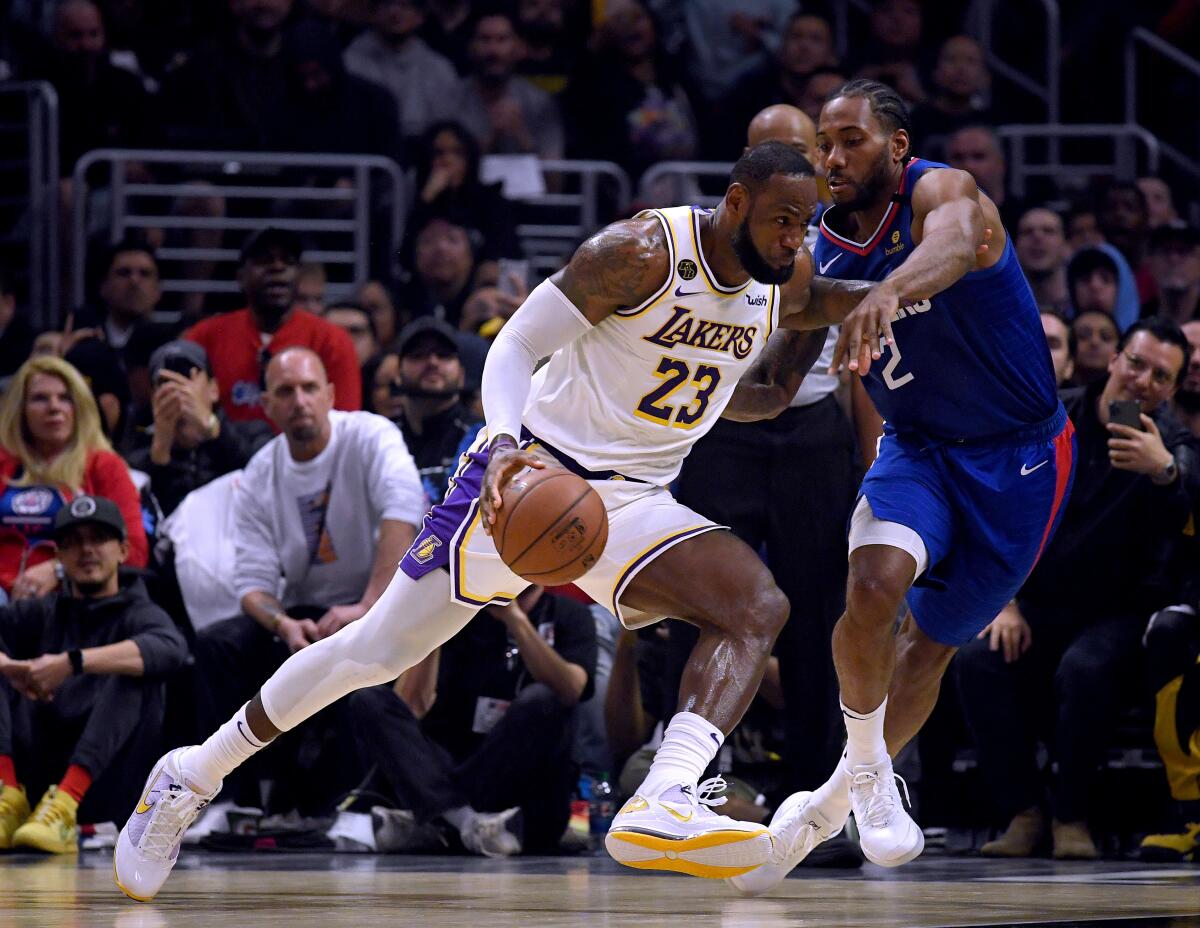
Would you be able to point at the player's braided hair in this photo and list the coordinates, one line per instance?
(887, 105)
(764, 161)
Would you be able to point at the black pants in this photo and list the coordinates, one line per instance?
(115, 737)
(788, 485)
(525, 760)
(1068, 688)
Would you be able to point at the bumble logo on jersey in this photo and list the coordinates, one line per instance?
(684, 328)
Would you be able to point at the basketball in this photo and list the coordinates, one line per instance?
(551, 527)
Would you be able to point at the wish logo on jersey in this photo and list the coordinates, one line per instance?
(684, 328)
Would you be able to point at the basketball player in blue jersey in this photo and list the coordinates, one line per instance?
(974, 465)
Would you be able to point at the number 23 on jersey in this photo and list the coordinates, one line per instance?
(675, 375)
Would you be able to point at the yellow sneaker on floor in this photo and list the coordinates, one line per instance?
(1172, 847)
(51, 827)
(678, 831)
(14, 809)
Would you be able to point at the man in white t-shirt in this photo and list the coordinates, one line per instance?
(324, 513)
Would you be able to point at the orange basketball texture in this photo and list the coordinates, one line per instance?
(551, 527)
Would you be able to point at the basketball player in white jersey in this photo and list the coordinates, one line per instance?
(648, 329)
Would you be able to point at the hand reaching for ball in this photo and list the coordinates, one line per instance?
(505, 461)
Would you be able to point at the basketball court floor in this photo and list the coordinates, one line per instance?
(347, 891)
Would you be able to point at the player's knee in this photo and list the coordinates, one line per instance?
(765, 612)
(873, 599)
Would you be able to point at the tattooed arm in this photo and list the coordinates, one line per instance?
(622, 265)
(766, 389)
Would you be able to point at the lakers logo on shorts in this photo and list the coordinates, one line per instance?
(423, 552)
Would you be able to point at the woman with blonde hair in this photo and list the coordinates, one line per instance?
(53, 448)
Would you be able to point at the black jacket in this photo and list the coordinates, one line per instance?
(1117, 532)
(232, 449)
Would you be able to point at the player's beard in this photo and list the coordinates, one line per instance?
(867, 193)
(755, 264)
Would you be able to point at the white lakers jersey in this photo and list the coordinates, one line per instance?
(635, 392)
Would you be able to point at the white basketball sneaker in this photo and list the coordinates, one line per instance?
(148, 845)
(886, 833)
(678, 831)
(796, 827)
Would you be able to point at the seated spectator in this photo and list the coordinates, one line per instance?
(100, 368)
(892, 53)
(1098, 278)
(326, 509)
(444, 266)
(449, 26)
(961, 84)
(377, 299)
(1041, 247)
(505, 113)
(191, 441)
(232, 92)
(1125, 221)
(381, 385)
(1083, 228)
(239, 344)
(51, 450)
(1067, 646)
(551, 46)
(448, 186)
(99, 104)
(976, 149)
(16, 334)
(1160, 202)
(1093, 344)
(336, 111)
(432, 415)
(310, 288)
(817, 89)
(392, 55)
(725, 41)
(629, 103)
(1174, 260)
(482, 729)
(353, 319)
(1186, 406)
(1058, 340)
(82, 700)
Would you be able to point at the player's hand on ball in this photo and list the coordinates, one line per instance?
(858, 342)
(505, 461)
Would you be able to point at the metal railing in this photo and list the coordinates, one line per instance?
(575, 205)
(35, 213)
(1045, 87)
(1143, 39)
(690, 176)
(346, 209)
(1125, 139)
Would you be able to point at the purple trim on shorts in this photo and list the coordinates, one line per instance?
(431, 548)
(670, 541)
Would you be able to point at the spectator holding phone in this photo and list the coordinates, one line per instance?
(191, 441)
(1065, 653)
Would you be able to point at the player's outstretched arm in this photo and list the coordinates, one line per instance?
(769, 385)
(622, 265)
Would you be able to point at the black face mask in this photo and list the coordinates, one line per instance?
(754, 263)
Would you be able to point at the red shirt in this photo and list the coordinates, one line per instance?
(105, 475)
(234, 346)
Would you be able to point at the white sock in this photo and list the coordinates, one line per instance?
(689, 745)
(461, 817)
(864, 735)
(231, 745)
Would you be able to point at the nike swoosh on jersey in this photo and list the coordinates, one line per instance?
(680, 292)
(1026, 471)
(822, 268)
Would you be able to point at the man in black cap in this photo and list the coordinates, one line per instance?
(1174, 260)
(81, 686)
(241, 343)
(433, 418)
(191, 440)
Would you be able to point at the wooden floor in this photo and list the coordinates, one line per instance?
(344, 891)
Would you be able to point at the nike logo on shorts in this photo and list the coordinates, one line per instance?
(1026, 471)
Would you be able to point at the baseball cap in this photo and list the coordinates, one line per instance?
(178, 355)
(264, 240)
(96, 509)
(425, 325)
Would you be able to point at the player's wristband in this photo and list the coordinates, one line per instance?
(503, 440)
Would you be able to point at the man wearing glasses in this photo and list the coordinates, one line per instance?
(242, 343)
(1063, 658)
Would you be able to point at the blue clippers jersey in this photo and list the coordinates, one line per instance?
(968, 364)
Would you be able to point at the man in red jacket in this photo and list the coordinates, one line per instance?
(239, 344)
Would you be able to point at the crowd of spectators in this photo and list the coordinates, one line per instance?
(192, 489)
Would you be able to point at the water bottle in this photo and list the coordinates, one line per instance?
(600, 808)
